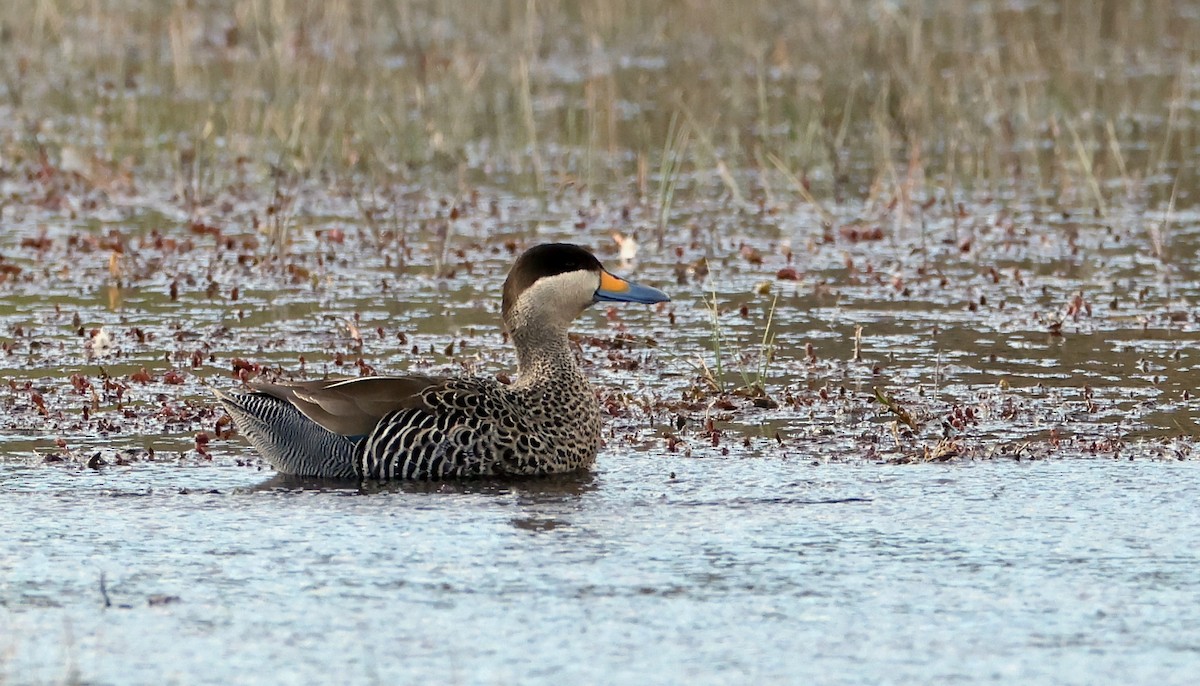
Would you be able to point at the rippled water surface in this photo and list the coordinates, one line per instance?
(735, 570)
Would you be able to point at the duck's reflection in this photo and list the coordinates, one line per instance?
(543, 503)
(529, 490)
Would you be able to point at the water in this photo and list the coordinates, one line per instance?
(737, 570)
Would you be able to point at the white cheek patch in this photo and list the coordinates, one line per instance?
(562, 296)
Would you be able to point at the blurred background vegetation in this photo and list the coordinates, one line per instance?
(1077, 102)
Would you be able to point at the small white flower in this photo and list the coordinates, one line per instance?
(628, 248)
(100, 344)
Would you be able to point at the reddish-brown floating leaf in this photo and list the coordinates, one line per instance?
(859, 232)
(39, 402)
(751, 255)
(80, 383)
(240, 365)
(202, 439)
(202, 229)
(39, 243)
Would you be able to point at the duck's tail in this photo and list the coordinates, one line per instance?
(291, 442)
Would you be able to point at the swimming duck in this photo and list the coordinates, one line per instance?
(424, 427)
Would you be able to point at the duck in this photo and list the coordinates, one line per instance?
(418, 427)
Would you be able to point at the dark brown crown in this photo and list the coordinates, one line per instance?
(541, 261)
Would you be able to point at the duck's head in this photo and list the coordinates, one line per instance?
(553, 283)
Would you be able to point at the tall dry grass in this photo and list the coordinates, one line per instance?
(1088, 101)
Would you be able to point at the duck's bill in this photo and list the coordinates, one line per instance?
(615, 289)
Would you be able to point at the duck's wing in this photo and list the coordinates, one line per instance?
(352, 407)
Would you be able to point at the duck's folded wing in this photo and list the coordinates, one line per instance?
(352, 407)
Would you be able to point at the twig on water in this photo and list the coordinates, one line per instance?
(104, 592)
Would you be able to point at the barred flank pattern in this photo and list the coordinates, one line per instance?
(477, 427)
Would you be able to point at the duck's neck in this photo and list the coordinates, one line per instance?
(544, 355)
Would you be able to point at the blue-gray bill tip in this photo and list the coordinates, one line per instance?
(615, 289)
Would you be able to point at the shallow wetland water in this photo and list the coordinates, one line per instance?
(922, 408)
(752, 570)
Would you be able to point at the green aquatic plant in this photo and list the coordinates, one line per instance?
(674, 148)
(755, 381)
(714, 376)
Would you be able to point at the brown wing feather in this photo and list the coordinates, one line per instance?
(351, 407)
